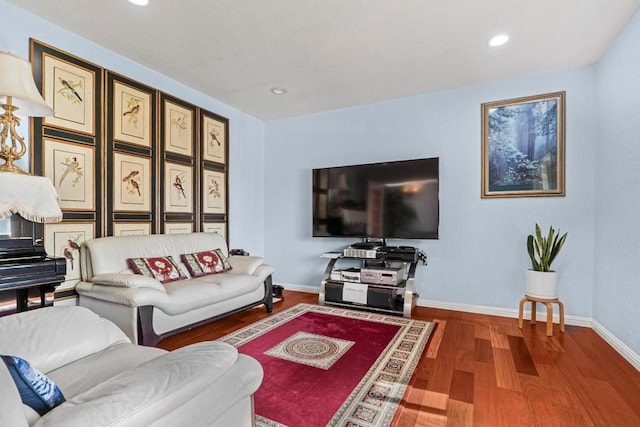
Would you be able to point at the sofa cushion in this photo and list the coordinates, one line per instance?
(35, 335)
(206, 290)
(83, 374)
(206, 262)
(163, 269)
(36, 390)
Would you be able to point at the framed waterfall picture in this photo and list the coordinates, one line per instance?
(523, 147)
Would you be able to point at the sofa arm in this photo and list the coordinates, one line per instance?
(133, 297)
(264, 271)
(127, 281)
(245, 264)
(184, 387)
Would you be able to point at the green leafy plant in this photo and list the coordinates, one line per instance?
(543, 249)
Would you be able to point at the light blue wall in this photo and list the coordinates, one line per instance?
(617, 208)
(481, 256)
(246, 132)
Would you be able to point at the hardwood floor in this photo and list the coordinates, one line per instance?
(483, 370)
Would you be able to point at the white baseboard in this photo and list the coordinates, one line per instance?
(301, 288)
(505, 312)
(623, 349)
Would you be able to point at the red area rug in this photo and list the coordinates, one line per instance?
(331, 366)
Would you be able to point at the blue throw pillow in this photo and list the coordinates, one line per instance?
(36, 390)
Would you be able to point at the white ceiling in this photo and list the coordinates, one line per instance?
(331, 54)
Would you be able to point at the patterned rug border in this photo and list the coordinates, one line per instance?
(377, 396)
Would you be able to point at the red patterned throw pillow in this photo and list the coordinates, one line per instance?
(163, 269)
(206, 262)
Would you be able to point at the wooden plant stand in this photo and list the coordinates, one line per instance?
(546, 302)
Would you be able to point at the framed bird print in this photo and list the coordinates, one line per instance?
(131, 183)
(178, 227)
(178, 188)
(132, 114)
(131, 228)
(69, 88)
(178, 127)
(214, 138)
(214, 194)
(64, 240)
(215, 227)
(70, 167)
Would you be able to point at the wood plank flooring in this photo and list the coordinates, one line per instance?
(483, 370)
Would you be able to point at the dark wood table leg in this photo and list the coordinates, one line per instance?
(43, 291)
(21, 299)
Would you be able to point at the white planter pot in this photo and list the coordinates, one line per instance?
(540, 284)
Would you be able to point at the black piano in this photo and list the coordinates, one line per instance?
(24, 264)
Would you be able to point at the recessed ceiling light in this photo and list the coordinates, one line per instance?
(278, 90)
(498, 40)
(139, 2)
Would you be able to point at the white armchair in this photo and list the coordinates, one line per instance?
(107, 380)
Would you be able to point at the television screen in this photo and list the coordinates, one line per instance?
(381, 200)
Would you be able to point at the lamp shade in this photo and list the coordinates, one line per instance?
(17, 82)
(33, 197)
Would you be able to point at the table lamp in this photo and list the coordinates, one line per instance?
(18, 94)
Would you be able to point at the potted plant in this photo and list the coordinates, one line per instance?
(541, 281)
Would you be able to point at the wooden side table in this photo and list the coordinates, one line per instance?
(546, 302)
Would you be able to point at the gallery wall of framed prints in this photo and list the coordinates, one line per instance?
(124, 157)
(68, 149)
(214, 152)
(178, 175)
(131, 190)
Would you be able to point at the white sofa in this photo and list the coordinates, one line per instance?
(107, 380)
(147, 310)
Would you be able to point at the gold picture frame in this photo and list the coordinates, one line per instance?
(64, 240)
(214, 139)
(178, 188)
(132, 114)
(178, 227)
(69, 88)
(523, 147)
(70, 167)
(178, 128)
(131, 183)
(214, 192)
(131, 228)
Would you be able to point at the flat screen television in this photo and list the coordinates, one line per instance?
(380, 200)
